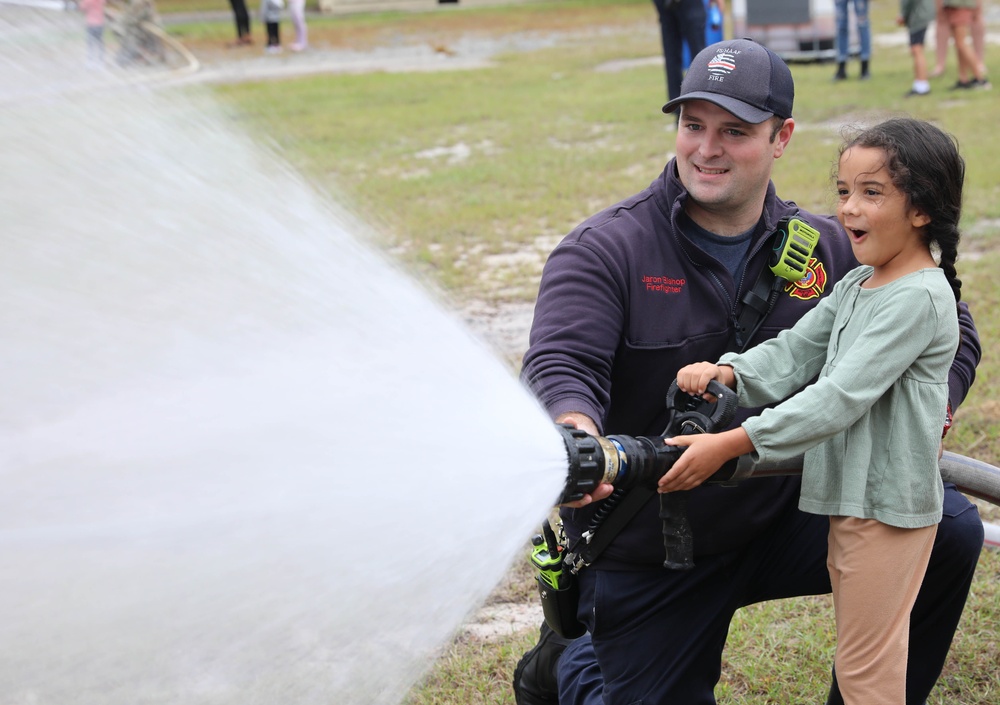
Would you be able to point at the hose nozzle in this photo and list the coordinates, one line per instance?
(640, 461)
(633, 461)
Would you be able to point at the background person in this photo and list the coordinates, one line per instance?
(942, 35)
(242, 17)
(297, 11)
(270, 15)
(959, 14)
(681, 21)
(916, 16)
(864, 29)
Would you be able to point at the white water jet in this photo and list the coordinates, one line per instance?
(243, 459)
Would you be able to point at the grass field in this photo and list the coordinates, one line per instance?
(547, 137)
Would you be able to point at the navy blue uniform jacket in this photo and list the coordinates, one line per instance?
(626, 300)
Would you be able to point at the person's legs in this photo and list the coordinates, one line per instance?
(864, 35)
(580, 679)
(297, 10)
(875, 572)
(790, 560)
(678, 621)
(672, 40)
(945, 588)
(535, 679)
(919, 62)
(960, 33)
(942, 34)
(693, 19)
(943, 593)
(978, 31)
(658, 635)
(273, 36)
(843, 38)
(242, 18)
(921, 86)
(664, 20)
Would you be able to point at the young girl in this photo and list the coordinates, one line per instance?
(879, 346)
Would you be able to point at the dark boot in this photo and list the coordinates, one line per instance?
(841, 74)
(864, 70)
(535, 676)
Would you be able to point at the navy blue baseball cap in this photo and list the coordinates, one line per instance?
(740, 76)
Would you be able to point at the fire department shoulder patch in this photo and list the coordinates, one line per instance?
(811, 285)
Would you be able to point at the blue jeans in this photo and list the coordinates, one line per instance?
(862, 23)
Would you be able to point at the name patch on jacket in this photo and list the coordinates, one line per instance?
(663, 285)
(811, 285)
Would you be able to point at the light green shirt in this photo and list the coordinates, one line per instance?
(871, 424)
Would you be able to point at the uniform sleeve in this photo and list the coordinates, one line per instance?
(963, 369)
(577, 327)
(887, 347)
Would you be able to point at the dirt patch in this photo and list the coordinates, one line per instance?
(504, 619)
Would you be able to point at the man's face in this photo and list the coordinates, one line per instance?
(725, 164)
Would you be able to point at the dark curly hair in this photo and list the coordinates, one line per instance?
(924, 163)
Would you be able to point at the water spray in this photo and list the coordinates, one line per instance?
(204, 347)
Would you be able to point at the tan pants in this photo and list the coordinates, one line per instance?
(876, 571)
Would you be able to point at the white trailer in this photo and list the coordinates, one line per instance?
(795, 30)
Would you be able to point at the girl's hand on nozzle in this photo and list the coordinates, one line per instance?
(693, 379)
(704, 454)
(700, 460)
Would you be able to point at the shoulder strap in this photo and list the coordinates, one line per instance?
(757, 303)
